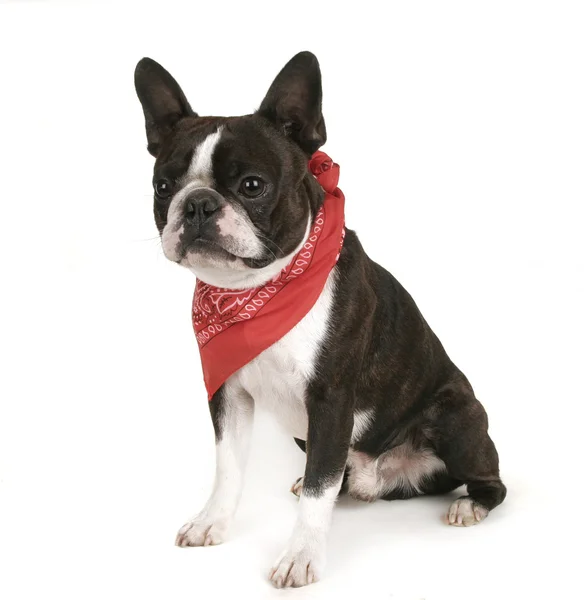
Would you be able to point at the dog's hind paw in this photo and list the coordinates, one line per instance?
(465, 512)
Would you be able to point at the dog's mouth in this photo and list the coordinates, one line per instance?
(204, 247)
(211, 250)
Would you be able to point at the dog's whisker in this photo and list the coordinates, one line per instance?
(268, 249)
(259, 235)
(151, 239)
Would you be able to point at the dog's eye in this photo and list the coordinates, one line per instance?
(163, 188)
(252, 187)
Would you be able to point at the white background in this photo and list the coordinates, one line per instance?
(459, 127)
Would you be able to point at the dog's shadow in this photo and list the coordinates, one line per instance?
(387, 521)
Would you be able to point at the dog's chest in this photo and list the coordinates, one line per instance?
(277, 379)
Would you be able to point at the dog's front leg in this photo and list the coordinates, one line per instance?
(232, 414)
(330, 423)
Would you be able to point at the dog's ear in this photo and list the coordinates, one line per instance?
(294, 102)
(162, 99)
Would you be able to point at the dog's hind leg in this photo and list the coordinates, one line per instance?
(463, 443)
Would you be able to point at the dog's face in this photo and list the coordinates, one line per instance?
(233, 198)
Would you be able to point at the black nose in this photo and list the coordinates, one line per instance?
(200, 205)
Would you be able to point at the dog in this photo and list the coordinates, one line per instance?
(360, 381)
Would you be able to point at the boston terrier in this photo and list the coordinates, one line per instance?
(360, 381)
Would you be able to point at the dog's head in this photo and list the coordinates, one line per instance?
(233, 198)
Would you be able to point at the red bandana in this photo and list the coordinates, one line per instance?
(235, 326)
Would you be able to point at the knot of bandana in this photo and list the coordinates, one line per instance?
(325, 170)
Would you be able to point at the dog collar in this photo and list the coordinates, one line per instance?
(232, 327)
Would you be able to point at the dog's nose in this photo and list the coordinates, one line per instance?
(200, 205)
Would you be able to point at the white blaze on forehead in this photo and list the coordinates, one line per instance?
(201, 167)
(198, 175)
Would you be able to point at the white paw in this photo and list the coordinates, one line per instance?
(465, 512)
(296, 489)
(202, 532)
(296, 568)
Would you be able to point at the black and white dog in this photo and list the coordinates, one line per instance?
(362, 382)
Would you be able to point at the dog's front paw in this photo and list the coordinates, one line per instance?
(465, 512)
(202, 531)
(298, 567)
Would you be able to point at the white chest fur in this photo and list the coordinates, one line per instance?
(278, 377)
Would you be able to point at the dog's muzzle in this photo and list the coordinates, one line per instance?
(200, 206)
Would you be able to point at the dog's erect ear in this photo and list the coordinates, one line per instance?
(162, 99)
(294, 102)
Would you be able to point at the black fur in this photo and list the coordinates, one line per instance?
(380, 352)
(384, 352)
